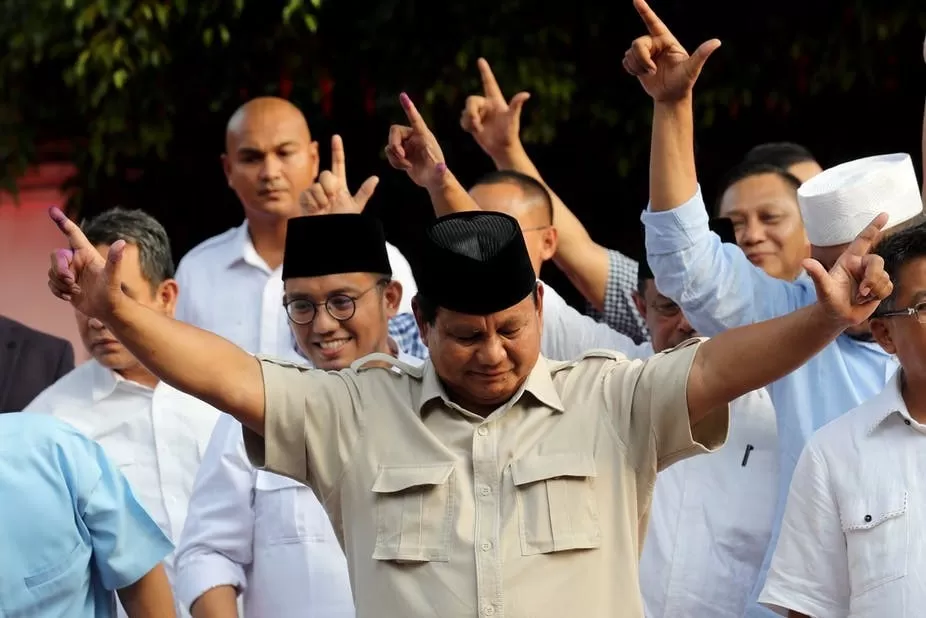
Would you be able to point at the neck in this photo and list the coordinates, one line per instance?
(268, 235)
(913, 391)
(139, 375)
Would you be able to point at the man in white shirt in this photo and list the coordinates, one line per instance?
(154, 434)
(849, 543)
(711, 517)
(260, 534)
(231, 282)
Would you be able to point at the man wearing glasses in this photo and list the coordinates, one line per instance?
(850, 542)
(265, 536)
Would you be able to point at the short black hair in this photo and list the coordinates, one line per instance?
(779, 154)
(747, 169)
(530, 186)
(428, 308)
(897, 250)
(138, 228)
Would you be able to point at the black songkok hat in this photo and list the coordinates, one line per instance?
(475, 262)
(333, 244)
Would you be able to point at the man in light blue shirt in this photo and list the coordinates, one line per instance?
(71, 531)
(716, 285)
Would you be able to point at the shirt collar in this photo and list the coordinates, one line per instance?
(106, 381)
(887, 403)
(241, 250)
(538, 383)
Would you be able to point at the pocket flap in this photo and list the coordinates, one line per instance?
(268, 481)
(391, 479)
(533, 468)
(866, 512)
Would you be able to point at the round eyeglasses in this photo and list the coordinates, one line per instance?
(917, 311)
(341, 307)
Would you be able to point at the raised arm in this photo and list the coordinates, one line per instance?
(192, 360)
(725, 366)
(495, 125)
(715, 284)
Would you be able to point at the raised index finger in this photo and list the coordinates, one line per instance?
(654, 25)
(338, 161)
(489, 83)
(71, 230)
(411, 112)
(868, 237)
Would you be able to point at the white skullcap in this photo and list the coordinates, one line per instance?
(839, 202)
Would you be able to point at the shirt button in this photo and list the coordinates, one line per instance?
(486, 546)
(867, 518)
(484, 490)
(488, 610)
(906, 421)
(483, 431)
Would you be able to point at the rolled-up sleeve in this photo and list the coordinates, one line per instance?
(218, 536)
(810, 567)
(652, 412)
(312, 422)
(126, 542)
(714, 283)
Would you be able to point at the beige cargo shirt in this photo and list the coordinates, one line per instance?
(535, 511)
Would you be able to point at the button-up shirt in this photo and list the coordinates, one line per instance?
(711, 520)
(718, 288)
(71, 531)
(265, 534)
(155, 437)
(850, 544)
(536, 510)
(227, 288)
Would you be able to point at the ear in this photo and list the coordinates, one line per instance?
(882, 334)
(313, 161)
(392, 297)
(550, 243)
(423, 327)
(226, 167)
(166, 296)
(639, 303)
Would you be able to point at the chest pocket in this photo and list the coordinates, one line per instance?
(876, 526)
(286, 511)
(557, 506)
(414, 513)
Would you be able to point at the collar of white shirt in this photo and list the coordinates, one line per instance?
(886, 404)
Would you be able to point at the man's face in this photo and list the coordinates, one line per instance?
(904, 335)
(667, 325)
(333, 344)
(484, 360)
(805, 170)
(767, 221)
(99, 342)
(532, 216)
(270, 161)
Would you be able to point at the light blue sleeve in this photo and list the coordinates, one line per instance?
(714, 283)
(126, 542)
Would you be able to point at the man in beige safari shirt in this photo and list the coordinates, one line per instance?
(493, 482)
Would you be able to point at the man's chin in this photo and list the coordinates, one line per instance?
(862, 332)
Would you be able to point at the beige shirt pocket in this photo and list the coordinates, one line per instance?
(557, 506)
(414, 512)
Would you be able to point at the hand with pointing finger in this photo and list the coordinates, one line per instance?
(659, 61)
(330, 195)
(83, 277)
(857, 282)
(414, 148)
(493, 122)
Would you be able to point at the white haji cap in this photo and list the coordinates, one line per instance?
(839, 202)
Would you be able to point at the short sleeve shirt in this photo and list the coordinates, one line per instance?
(535, 510)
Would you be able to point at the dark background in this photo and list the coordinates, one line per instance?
(846, 79)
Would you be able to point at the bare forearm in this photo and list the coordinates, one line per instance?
(747, 358)
(149, 597)
(448, 196)
(194, 361)
(218, 602)
(583, 260)
(673, 178)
